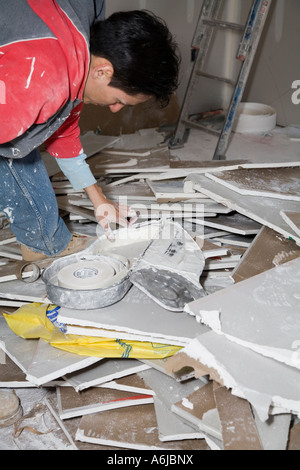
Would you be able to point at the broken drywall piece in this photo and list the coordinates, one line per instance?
(199, 410)
(170, 268)
(111, 428)
(268, 249)
(6, 236)
(69, 426)
(18, 349)
(270, 324)
(19, 290)
(11, 376)
(235, 240)
(233, 223)
(265, 211)
(94, 143)
(279, 183)
(167, 389)
(58, 362)
(94, 400)
(156, 161)
(130, 383)
(238, 426)
(170, 427)
(249, 374)
(170, 391)
(173, 190)
(136, 313)
(104, 371)
(64, 204)
(274, 432)
(294, 438)
(292, 219)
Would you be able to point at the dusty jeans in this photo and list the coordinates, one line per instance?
(28, 201)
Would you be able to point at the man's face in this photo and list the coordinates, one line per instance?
(113, 98)
(98, 92)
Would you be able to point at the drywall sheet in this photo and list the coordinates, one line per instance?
(280, 183)
(95, 399)
(111, 428)
(130, 383)
(156, 161)
(19, 290)
(137, 313)
(199, 409)
(265, 211)
(58, 363)
(11, 375)
(260, 313)
(173, 190)
(70, 426)
(274, 433)
(233, 223)
(171, 427)
(268, 249)
(238, 426)
(32, 355)
(292, 219)
(18, 349)
(250, 375)
(6, 236)
(104, 371)
(294, 441)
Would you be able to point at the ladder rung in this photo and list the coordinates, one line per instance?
(224, 24)
(196, 125)
(215, 77)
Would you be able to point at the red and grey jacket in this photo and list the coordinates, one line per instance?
(44, 60)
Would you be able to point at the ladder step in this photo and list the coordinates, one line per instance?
(196, 125)
(216, 77)
(224, 24)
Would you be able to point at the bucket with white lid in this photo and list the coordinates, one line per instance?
(255, 118)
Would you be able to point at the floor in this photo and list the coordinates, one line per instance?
(278, 146)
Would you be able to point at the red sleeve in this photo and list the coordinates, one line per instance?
(34, 85)
(65, 142)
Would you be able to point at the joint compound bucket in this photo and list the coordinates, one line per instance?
(255, 118)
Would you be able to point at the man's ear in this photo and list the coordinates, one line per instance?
(102, 69)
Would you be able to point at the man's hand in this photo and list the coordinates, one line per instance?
(107, 211)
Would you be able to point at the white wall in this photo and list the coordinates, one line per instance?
(276, 66)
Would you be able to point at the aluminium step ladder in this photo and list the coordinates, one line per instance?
(251, 33)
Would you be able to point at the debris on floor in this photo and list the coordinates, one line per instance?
(202, 351)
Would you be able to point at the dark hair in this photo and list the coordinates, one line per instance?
(142, 51)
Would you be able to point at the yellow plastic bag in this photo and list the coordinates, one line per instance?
(31, 322)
